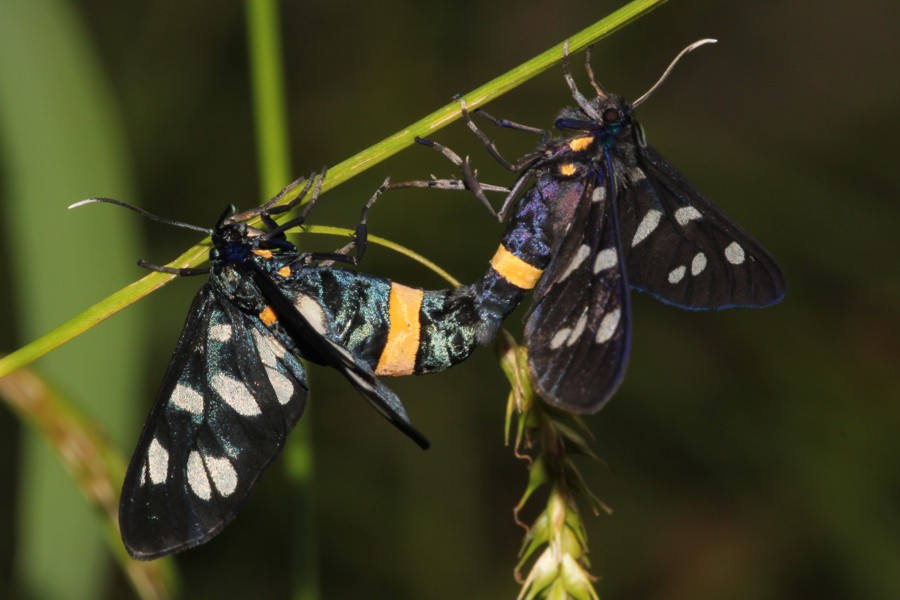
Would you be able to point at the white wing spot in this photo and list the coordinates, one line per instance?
(560, 338)
(235, 394)
(698, 264)
(582, 253)
(313, 312)
(578, 329)
(676, 274)
(265, 351)
(196, 476)
(734, 253)
(686, 214)
(599, 194)
(608, 326)
(606, 259)
(220, 332)
(647, 226)
(283, 387)
(157, 462)
(637, 175)
(223, 475)
(187, 399)
(269, 349)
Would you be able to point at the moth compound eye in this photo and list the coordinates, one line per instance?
(611, 115)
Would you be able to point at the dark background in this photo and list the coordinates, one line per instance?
(750, 454)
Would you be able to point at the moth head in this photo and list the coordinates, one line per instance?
(237, 242)
(607, 117)
(605, 111)
(229, 232)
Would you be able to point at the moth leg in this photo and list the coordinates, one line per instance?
(590, 72)
(522, 163)
(469, 179)
(583, 102)
(276, 230)
(359, 243)
(274, 210)
(357, 246)
(507, 124)
(272, 206)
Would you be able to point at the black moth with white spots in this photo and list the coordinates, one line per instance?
(235, 386)
(596, 212)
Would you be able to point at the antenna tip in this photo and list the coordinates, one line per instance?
(83, 202)
(703, 42)
(671, 66)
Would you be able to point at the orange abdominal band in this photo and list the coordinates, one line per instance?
(514, 269)
(399, 354)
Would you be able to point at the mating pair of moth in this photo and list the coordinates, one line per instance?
(593, 213)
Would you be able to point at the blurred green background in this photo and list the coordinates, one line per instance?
(751, 454)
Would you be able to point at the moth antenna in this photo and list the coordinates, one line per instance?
(590, 71)
(143, 213)
(671, 66)
(579, 98)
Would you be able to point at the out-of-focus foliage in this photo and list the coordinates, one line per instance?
(751, 454)
(61, 139)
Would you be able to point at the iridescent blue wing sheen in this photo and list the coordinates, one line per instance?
(682, 249)
(578, 329)
(229, 398)
(306, 322)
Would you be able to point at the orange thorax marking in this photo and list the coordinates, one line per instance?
(582, 143)
(268, 316)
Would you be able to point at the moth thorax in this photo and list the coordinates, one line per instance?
(237, 287)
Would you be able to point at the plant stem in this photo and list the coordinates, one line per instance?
(264, 45)
(95, 465)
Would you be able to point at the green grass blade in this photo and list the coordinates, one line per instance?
(270, 111)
